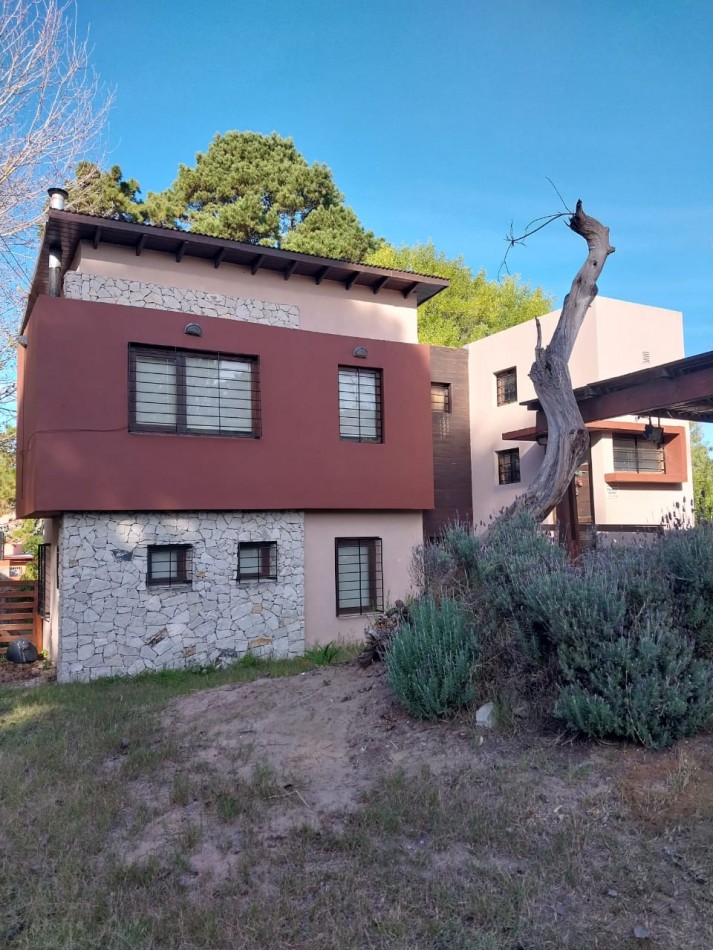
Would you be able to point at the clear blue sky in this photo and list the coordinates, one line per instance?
(444, 119)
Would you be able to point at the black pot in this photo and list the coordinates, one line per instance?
(21, 651)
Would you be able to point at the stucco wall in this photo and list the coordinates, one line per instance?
(134, 293)
(400, 533)
(324, 308)
(110, 623)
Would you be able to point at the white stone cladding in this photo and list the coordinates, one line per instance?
(112, 623)
(134, 293)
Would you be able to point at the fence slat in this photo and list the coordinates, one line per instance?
(18, 613)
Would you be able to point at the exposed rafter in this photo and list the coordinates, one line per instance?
(407, 291)
(320, 275)
(182, 248)
(379, 284)
(97, 238)
(217, 260)
(349, 282)
(141, 244)
(256, 263)
(290, 269)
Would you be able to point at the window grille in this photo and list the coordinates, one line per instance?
(184, 391)
(508, 466)
(169, 565)
(360, 404)
(257, 560)
(43, 592)
(440, 397)
(506, 386)
(635, 454)
(359, 575)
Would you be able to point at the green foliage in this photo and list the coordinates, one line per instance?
(473, 306)
(29, 533)
(702, 466)
(324, 655)
(105, 193)
(431, 660)
(642, 683)
(7, 470)
(688, 560)
(259, 189)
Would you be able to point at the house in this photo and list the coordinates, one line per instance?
(238, 448)
(628, 480)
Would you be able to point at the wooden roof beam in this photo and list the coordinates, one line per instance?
(321, 274)
(349, 282)
(218, 259)
(290, 269)
(410, 289)
(97, 237)
(380, 283)
(256, 263)
(141, 244)
(182, 248)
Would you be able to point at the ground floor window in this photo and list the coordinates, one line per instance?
(635, 454)
(359, 575)
(169, 565)
(257, 560)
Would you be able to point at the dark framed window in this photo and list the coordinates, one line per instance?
(43, 592)
(360, 404)
(257, 561)
(633, 453)
(169, 565)
(440, 397)
(360, 585)
(508, 466)
(506, 386)
(185, 391)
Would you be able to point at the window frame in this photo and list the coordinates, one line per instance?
(377, 375)
(503, 379)
(181, 427)
(44, 553)
(506, 457)
(184, 566)
(638, 441)
(375, 577)
(443, 389)
(267, 561)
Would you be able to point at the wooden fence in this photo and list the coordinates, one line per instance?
(18, 614)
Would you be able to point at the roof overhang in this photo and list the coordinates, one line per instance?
(65, 229)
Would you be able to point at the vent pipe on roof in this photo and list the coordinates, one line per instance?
(55, 255)
(58, 196)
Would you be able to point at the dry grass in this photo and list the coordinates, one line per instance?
(521, 842)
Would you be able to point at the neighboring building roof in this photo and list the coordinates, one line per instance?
(67, 229)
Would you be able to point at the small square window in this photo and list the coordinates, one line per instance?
(257, 561)
(440, 397)
(360, 404)
(359, 575)
(508, 466)
(506, 386)
(169, 565)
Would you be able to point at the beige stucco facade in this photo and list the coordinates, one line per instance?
(329, 308)
(616, 337)
(400, 533)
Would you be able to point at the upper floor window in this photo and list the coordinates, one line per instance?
(508, 466)
(632, 453)
(440, 397)
(359, 575)
(257, 560)
(360, 404)
(169, 565)
(506, 386)
(192, 392)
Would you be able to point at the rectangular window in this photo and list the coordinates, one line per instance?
(440, 397)
(189, 392)
(506, 386)
(359, 575)
(257, 560)
(169, 565)
(635, 454)
(43, 591)
(359, 404)
(508, 466)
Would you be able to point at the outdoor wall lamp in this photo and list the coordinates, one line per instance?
(360, 352)
(653, 433)
(193, 329)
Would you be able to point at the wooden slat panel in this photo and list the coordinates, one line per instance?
(18, 614)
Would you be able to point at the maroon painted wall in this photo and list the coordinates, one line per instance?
(76, 453)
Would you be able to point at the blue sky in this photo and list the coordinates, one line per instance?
(443, 120)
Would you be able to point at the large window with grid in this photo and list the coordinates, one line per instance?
(506, 386)
(359, 575)
(169, 565)
(184, 391)
(257, 560)
(633, 453)
(508, 466)
(360, 404)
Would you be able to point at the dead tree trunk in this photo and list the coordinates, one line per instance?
(567, 436)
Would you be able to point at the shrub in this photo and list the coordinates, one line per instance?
(432, 657)
(688, 559)
(641, 683)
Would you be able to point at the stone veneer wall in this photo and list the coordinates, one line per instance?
(110, 623)
(134, 293)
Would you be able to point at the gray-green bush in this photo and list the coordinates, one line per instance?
(687, 556)
(431, 660)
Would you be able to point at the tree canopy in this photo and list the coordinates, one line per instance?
(473, 306)
(702, 465)
(105, 193)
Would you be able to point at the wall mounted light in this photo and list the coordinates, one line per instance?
(193, 329)
(653, 433)
(22, 340)
(360, 352)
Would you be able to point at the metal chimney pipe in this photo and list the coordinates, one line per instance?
(58, 196)
(55, 254)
